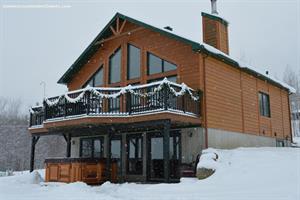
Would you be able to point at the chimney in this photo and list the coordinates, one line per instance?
(215, 32)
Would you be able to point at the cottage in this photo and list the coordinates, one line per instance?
(143, 102)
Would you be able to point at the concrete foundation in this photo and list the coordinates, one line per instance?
(192, 143)
(228, 140)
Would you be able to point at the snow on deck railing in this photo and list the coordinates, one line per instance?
(122, 90)
(128, 100)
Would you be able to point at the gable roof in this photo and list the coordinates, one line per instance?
(204, 48)
(105, 33)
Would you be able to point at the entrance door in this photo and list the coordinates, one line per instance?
(156, 156)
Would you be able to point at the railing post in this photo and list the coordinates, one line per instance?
(88, 102)
(165, 96)
(30, 119)
(200, 99)
(183, 103)
(45, 110)
(65, 107)
(128, 102)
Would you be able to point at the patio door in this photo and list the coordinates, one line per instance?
(115, 145)
(155, 156)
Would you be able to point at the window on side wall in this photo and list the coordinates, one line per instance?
(158, 65)
(264, 104)
(115, 67)
(134, 62)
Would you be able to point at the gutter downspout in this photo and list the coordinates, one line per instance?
(204, 56)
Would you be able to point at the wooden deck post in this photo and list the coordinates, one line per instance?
(108, 155)
(68, 153)
(166, 150)
(34, 140)
(123, 157)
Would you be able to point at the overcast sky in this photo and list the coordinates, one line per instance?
(40, 40)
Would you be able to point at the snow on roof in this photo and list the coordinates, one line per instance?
(244, 65)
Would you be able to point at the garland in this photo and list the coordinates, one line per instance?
(184, 89)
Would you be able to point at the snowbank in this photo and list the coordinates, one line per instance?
(241, 174)
(296, 141)
(208, 159)
(25, 177)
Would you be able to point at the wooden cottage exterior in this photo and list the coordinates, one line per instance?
(129, 117)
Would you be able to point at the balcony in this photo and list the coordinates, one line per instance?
(157, 97)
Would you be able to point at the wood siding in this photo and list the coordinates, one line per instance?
(232, 102)
(231, 98)
(223, 95)
(148, 41)
(250, 104)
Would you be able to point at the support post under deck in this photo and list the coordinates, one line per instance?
(166, 150)
(68, 153)
(34, 140)
(108, 155)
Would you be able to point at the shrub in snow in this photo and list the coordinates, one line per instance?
(207, 164)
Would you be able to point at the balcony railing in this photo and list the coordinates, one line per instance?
(130, 100)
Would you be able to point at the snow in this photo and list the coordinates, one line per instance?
(241, 174)
(296, 141)
(208, 160)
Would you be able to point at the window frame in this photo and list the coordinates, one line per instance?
(162, 64)
(128, 63)
(93, 146)
(93, 77)
(264, 104)
(109, 65)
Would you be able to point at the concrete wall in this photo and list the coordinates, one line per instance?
(227, 140)
(192, 141)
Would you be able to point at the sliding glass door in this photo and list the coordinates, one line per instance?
(156, 156)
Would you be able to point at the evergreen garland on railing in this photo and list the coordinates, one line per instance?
(184, 89)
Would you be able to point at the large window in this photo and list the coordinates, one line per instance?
(91, 147)
(264, 104)
(96, 79)
(135, 154)
(158, 65)
(115, 67)
(134, 62)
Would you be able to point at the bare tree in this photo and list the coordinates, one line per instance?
(15, 139)
(292, 78)
(10, 111)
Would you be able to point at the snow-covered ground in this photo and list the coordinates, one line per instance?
(296, 141)
(241, 174)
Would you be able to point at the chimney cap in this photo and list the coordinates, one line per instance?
(214, 7)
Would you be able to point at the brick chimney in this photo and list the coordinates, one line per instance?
(215, 32)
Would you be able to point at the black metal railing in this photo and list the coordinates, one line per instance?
(36, 116)
(159, 96)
